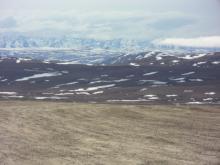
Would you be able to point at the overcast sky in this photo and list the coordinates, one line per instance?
(109, 19)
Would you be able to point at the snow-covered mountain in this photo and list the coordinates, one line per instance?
(20, 41)
(15, 40)
(99, 56)
(68, 49)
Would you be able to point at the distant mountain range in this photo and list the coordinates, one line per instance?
(19, 41)
(9, 41)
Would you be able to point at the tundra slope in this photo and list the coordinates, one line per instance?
(144, 78)
(51, 133)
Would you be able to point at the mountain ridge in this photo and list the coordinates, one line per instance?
(70, 42)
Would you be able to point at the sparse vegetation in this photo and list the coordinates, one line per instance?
(49, 133)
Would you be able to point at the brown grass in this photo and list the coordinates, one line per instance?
(47, 133)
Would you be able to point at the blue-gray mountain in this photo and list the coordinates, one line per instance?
(17, 40)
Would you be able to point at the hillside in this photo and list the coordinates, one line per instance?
(145, 78)
(48, 133)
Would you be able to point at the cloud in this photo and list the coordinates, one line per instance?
(97, 24)
(172, 23)
(8, 22)
(206, 42)
(109, 24)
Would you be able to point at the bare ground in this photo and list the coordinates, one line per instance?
(49, 133)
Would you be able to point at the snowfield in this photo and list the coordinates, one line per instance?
(95, 88)
(41, 75)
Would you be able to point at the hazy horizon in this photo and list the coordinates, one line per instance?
(165, 22)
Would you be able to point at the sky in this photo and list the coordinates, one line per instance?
(163, 21)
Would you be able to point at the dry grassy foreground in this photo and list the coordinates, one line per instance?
(46, 133)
